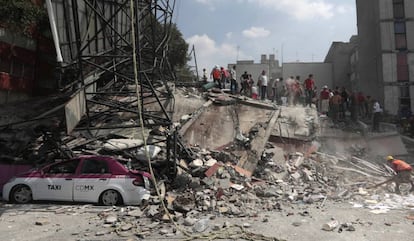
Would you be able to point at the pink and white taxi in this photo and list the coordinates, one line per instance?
(95, 179)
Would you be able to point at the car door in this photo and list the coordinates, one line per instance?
(57, 181)
(92, 179)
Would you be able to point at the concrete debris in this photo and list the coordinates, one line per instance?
(330, 226)
(201, 225)
(252, 173)
(111, 219)
(122, 144)
(42, 221)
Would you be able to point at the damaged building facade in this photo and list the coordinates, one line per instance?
(384, 59)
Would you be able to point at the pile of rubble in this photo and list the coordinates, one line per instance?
(213, 186)
(212, 183)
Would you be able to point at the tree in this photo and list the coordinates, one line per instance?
(177, 51)
(22, 16)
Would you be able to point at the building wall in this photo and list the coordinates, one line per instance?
(368, 77)
(409, 8)
(322, 72)
(385, 10)
(411, 74)
(398, 89)
(391, 92)
(339, 55)
(387, 33)
(254, 69)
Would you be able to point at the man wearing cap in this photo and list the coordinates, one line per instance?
(403, 171)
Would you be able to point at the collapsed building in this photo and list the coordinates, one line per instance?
(218, 152)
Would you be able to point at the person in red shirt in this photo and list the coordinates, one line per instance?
(403, 171)
(361, 104)
(309, 87)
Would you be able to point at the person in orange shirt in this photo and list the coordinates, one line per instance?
(403, 171)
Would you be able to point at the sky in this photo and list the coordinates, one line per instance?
(224, 31)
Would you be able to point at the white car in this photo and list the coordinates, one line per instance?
(95, 179)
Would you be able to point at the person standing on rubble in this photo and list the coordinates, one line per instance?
(263, 85)
(336, 101)
(377, 111)
(289, 89)
(244, 81)
(224, 78)
(309, 85)
(403, 173)
(275, 96)
(233, 80)
(344, 106)
(324, 98)
(216, 75)
(204, 78)
(361, 104)
(297, 89)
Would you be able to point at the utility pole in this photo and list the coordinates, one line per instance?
(195, 61)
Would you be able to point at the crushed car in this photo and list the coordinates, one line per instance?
(95, 179)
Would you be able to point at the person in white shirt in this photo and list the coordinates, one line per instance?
(233, 80)
(377, 110)
(263, 85)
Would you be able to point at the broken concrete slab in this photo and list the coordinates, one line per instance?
(122, 144)
(250, 158)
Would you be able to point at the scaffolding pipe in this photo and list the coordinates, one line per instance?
(53, 28)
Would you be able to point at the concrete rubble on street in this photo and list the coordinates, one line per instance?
(251, 160)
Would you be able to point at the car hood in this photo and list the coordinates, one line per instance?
(30, 173)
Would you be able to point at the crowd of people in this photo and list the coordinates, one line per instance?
(336, 103)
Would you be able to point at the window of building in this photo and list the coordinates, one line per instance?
(405, 101)
(402, 73)
(402, 58)
(406, 104)
(17, 68)
(4, 65)
(400, 42)
(398, 9)
(399, 27)
(405, 92)
(402, 67)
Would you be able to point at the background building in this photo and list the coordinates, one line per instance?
(339, 55)
(322, 72)
(270, 65)
(385, 58)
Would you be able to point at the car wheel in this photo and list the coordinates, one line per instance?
(21, 194)
(111, 198)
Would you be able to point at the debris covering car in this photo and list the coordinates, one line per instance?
(96, 179)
